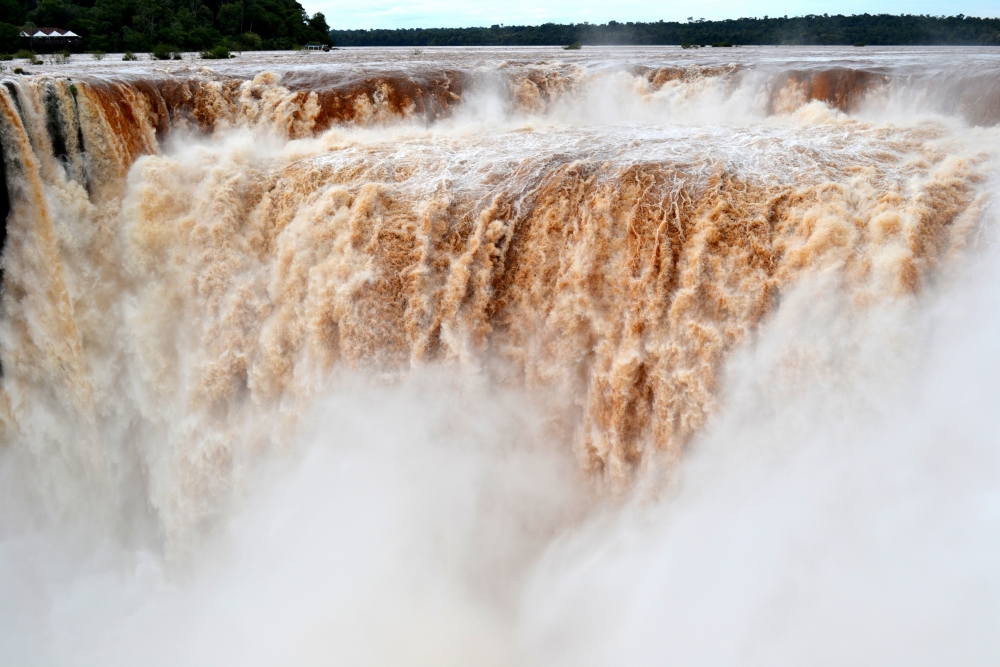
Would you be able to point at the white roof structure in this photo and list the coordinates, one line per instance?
(50, 33)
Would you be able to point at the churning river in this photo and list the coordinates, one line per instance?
(502, 357)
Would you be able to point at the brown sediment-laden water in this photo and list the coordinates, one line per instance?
(505, 356)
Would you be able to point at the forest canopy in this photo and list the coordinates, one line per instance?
(875, 30)
(192, 25)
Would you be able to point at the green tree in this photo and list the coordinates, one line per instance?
(230, 18)
(318, 25)
(149, 17)
(10, 38)
(54, 13)
(11, 12)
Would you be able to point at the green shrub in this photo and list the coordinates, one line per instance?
(97, 55)
(575, 46)
(218, 53)
(6, 56)
(129, 56)
(725, 44)
(24, 53)
(250, 41)
(164, 51)
(859, 43)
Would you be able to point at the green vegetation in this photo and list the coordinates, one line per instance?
(10, 34)
(218, 53)
(873, 30)
(128, 55)
(575, 46)
(167, 27)
(163, 51)
(192, 25)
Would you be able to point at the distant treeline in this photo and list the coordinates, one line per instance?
(140, 25)
(882, 29)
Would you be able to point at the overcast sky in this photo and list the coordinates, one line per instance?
(454, 13)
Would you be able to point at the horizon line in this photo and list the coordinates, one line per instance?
(766, 17)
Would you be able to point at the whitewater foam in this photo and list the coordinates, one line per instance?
(447, 357)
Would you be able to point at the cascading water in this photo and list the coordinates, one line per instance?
(500, 356)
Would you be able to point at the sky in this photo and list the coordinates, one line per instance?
(454, 13)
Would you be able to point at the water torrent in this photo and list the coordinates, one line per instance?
(501, 356)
